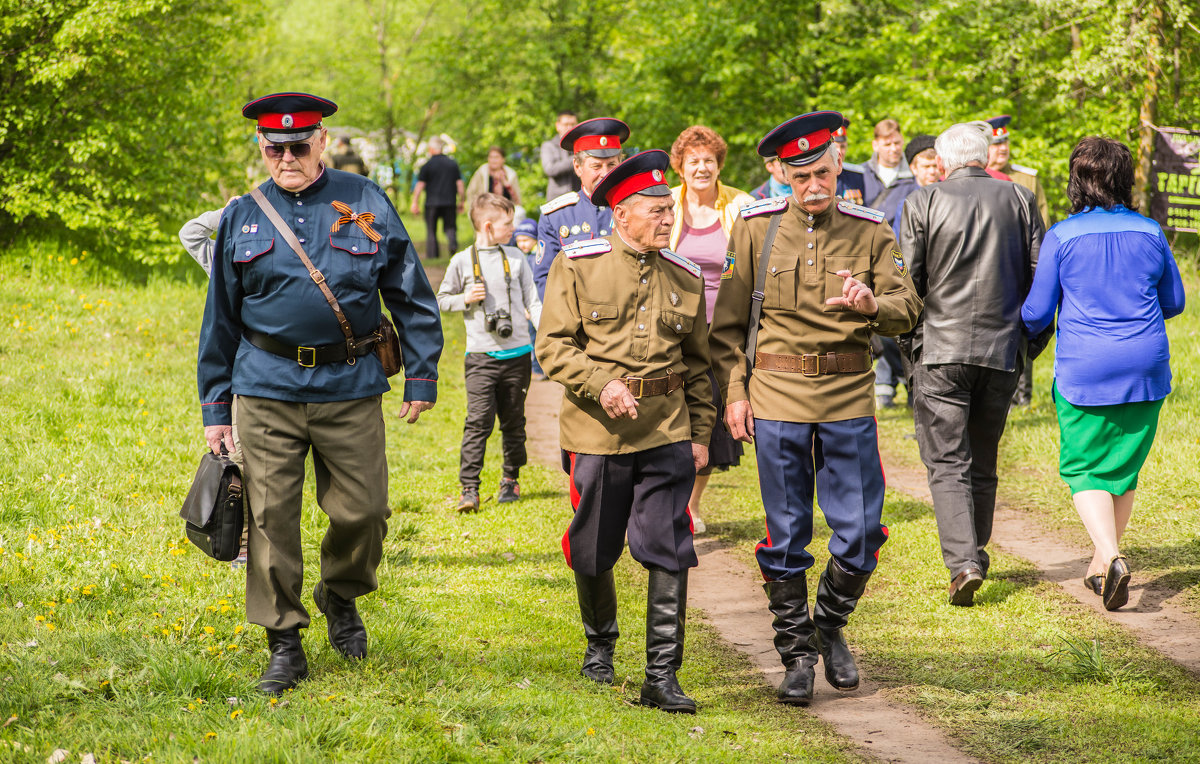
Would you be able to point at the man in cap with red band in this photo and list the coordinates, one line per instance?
(795, 371)
(624, 331)
(595, 147)
(298, 376)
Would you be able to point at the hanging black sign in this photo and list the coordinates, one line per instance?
(1175, 180)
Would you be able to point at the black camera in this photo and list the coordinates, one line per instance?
(499, 322)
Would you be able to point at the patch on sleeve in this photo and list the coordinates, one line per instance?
(558, 202)
(587, 247)
(898, 261)
(681, 261)
(541, 252)
(859, 211)
(774, 204)
(727, 271)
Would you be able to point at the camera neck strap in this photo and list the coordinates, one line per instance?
(507, 273)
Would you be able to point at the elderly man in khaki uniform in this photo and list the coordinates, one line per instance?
(808, 279)
(623, 329)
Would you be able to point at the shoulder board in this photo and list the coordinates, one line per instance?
(587, 247)
(681, 261)
(1021, 168)
(852, 167)
(859, 211)
(558, 202)
(774, 204)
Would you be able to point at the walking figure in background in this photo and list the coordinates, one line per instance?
(441, 180)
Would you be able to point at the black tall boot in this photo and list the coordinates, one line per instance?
(795, 638)
(347, 633)
(598, 608)
(666, 605)
(287, 665)
(837, 595)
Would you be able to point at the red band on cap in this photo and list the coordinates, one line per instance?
(803, 144)
(632, 185)
(295, 120)
(999, 132)
(840, 132)
(592, 142)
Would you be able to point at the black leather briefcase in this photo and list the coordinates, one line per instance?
(213, 512)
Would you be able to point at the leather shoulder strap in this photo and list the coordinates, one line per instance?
(760, 285)
(318, 278)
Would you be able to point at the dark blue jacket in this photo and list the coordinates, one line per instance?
(565, 219)
(259, 283)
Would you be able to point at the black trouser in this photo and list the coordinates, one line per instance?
(960, 412)
(448, 214)
(495, 387)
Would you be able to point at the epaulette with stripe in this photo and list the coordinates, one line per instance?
(587, 247)
(852, 167)
(681, 261)
(859, 211)
(774, 204)
(558, 202)
(1022, 168)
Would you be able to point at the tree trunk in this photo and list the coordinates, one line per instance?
(1148, 113)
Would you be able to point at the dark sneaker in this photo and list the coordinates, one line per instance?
(510, 490)
(469, 501)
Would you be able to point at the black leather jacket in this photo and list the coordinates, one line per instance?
(972, 244)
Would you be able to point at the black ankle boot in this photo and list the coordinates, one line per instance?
(837, 596)
(347, 633)
(666, 605)
(598, 608)
(794, 638)
(287, 665)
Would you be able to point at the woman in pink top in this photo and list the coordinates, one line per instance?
(705, 210)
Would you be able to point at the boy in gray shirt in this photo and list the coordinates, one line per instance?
(492, 286)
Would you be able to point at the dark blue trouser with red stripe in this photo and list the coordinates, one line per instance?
(841, 461)
(645, 494)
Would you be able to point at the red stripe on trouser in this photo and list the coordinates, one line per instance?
(566, 539)
(691, 520)
(762, 544)
(883, 528)
(884, 476)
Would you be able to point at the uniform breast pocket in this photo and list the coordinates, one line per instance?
(596, 314)
(780, 289)
(677, 324)
(256, 260)
(859, 267)
(361, 263)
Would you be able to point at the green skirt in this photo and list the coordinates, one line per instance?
(1104, 447)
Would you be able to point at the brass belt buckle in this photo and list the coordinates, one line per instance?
(810, 365)
(641, 385)
(312, 357)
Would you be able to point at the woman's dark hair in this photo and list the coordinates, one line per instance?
(495, 149)
(1101, 175)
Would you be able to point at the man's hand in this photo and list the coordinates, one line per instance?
(415, 208)
(617, 401)
(856, 296)
(413, 409)
(699, 456)
(216, 434)
(476, 294)
(739, 418)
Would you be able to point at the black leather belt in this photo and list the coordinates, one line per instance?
(309, 357)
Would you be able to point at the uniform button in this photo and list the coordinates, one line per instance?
(810, 245)
(642, 308)
(247, 252)
(302, 240)
(810, 230)
(643, 281)
(299, 220)
(642, 261)
(299, 204)
(772, 269)
(810, 262)
(678, 327)
(641, 326)
(355, 249)
(595, 314)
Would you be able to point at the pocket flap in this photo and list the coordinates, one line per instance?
(245, 250)
(678, 322)
(352, 240)
(597, 311)
(782, 263)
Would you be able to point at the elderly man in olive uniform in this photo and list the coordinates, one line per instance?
(623, 330)
(808, 279)
(296, 376)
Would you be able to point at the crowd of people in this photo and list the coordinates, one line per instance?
(683, 323)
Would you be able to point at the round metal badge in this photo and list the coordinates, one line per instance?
(802, 144)
(657, 175)
(288, 120)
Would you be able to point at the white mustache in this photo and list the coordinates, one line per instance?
(815, 197)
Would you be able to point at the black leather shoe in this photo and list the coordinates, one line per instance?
(287, 666)
(1095, 583)
(666, 602)
(347, 633)
(1116, 584)
(837, 595)
(964, 586)
(794, 638)
(598, 609)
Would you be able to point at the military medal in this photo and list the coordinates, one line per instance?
(564, 231)
(586, 227)
(674, 299)
(254, 228)
(245, 229)
(574, 230)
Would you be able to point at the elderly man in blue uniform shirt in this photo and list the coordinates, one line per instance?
(595, 147)
(274, 359)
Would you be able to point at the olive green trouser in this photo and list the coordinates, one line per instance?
(347, 441)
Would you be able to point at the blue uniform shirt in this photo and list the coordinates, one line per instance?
(851, 179)
(566, 219)
(258, 282)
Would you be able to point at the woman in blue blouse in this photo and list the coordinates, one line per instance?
(1110, 275)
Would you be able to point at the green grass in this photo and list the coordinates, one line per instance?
(120, 639)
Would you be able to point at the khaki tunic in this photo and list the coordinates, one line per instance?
(802, 274)
(1030, 181)
(621, 313)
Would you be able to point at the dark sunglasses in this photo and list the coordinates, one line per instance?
(277, 150)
